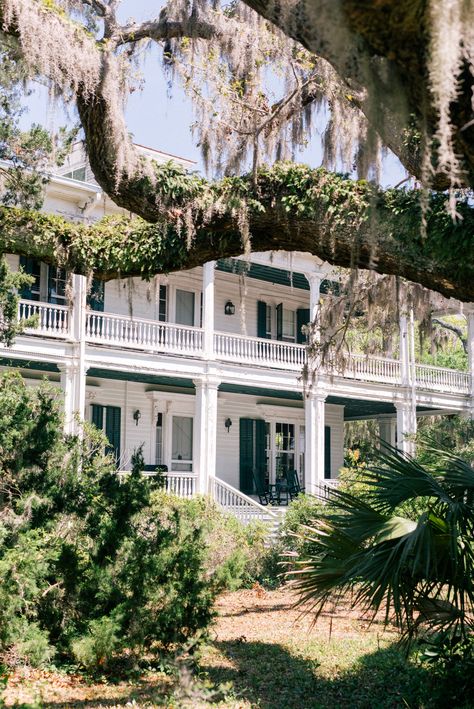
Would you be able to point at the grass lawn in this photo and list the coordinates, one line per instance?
(264, 654)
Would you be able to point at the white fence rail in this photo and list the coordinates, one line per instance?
(369, 368)
(143, 334)
(181, 484)
(51, 320)
(441, 379)
(150, 335)
(324, 488)
(240, 505)
(254, 350)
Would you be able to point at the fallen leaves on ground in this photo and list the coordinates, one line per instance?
(257, 634)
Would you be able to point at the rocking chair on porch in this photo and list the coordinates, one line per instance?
(293, 484)
(264, 491)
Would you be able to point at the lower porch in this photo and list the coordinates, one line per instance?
(232, 441)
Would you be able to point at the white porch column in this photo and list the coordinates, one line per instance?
(406, 426)
(314, 410)
(404, 351)
(387, 429)
(73, 372)
(314, 304)
(73, 384)
(208, 272)
(470, 354)
(205, 431)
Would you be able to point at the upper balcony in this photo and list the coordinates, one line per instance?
(134, 333)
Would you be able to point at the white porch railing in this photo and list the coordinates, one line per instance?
(430, 377)
(369, 368)
(53, 320)
(323, 488)
(240, 505)
(144, 334)
(181, 484)
(153, 336)
(254, 350)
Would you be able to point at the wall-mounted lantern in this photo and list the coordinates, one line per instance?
(228, 424)
(137, 416)
(229, 308)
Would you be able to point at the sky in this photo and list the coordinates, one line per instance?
(160, 116)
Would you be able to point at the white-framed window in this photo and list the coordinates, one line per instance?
(159, 453)
(269, 310)
(163, 303)
(57, 279)
(185, 304)
(289, 325)
(182, 443)
(78, 174)
(284, 449)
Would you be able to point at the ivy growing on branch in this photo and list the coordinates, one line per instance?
(344, 222)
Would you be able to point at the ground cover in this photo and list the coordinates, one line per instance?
(263, 653)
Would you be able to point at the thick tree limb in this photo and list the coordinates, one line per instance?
(292, 208)
(379, 48)
(165, 29)
(452, 328)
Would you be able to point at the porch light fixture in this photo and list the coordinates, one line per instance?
(229, 308)
(137, 416)
(228, 424)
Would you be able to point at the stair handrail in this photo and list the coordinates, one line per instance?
(245, 498)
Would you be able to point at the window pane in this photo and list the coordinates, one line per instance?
(159, 440)
(163, 304)
(269, 321)
(182, 443)
(57, 285)
(288, 324)
(284, 446)
(184, 307)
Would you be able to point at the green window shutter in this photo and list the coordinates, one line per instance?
(112, 430)
(327, 452)
(261, 319)
(302, 319)
(279, 313)
(98, 416)
(260, 451)
(246, 432)
(95, 298)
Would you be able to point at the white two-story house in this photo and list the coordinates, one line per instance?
(204, 368)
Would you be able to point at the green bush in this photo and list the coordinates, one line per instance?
(88, 559)
(453, 433)
(98, 647)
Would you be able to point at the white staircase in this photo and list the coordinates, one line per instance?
(242, 506)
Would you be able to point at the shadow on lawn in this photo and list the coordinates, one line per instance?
(347, 614)
(270, 677)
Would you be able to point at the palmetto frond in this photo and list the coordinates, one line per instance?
(406, 547)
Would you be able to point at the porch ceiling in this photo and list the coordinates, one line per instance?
(28, 364)
(270, 274)
(156, 380)
(353, 408)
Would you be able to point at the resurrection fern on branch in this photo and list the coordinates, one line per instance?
(344, 222)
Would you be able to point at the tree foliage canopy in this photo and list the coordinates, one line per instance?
(379, 66)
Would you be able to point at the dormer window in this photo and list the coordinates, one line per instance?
(78, 174)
